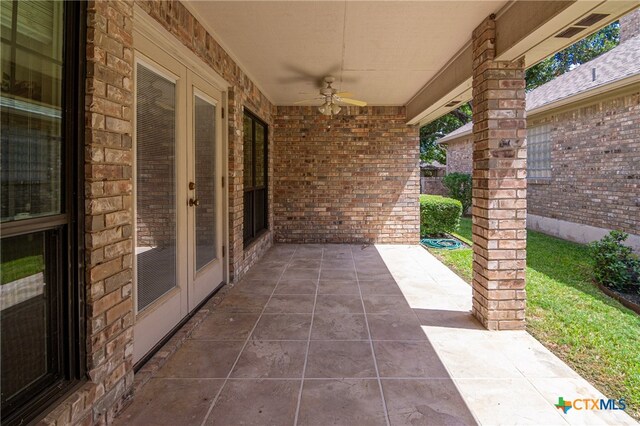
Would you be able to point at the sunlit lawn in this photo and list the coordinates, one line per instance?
(594, 334)
(19, 268)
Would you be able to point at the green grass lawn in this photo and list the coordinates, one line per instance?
(594, 334)
(25, 266)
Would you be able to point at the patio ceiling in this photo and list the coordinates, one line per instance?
(382, 52)
(413, 53)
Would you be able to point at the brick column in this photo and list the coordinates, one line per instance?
(499, 185)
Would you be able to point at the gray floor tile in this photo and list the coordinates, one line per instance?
(226, 326)
(256, 402)
(337, 274)
(271, 359)
(202, 359)
(341, 402)
(339, 303)
(264, 273)
(283, 327)
(334, 326)
(243, 302)
(376, 304)
(339, 359)
(256, 286)
(338, 287)
(395, 327)
(171, 402)
(408, 359)
(300, 274)
(307, 286)
(338, 263)
(425, 402)
(290, 304)
(305, 263)
(379, 286)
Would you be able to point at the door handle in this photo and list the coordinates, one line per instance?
(194, 202)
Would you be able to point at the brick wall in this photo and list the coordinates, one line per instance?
(595, 152)
(357, 181)
(108, 193)
(433, 185)
(460, 155)
(108, 197)
(630, 25)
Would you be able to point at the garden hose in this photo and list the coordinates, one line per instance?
(441, 243)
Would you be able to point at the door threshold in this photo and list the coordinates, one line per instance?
(138, 365)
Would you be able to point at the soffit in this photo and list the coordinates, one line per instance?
(383, 52)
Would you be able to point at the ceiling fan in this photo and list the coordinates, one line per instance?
(332, 98)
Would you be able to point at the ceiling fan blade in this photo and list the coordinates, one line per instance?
(352, 102)
(341, 94)
(307, 100)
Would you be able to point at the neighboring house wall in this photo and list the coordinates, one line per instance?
(630, 25)
(595, 178)
(460, 155)
(432, 185)
(355, 182)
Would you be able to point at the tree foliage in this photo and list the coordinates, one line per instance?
(578, 53)
(430, 133)
(537, 75)
(459, 186)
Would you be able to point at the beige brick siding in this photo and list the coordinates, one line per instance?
(499, 185)
(433, 185)
(595, 177)
(357, 181)
(630, 25)
(595, 152)
(460, 155)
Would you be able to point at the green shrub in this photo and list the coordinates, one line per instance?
(439, 214)
(459, 186)
(614, 263)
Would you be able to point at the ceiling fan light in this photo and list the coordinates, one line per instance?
(323, 109)
(335, 108)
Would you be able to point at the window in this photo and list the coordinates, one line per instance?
(255, 176)
(539, 152)
(40, 101)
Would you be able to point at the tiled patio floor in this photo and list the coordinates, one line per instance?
(351, 335)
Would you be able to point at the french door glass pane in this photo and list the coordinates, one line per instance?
(155, 186)
(31, 109)
(205, 165)
(28, 349)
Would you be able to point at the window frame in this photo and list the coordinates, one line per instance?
(66, 248)
(543, 129)
(254, 189)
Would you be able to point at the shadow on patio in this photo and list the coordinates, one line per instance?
(344, 334)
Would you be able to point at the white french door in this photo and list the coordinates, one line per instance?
(179, 203)
(205, 219)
